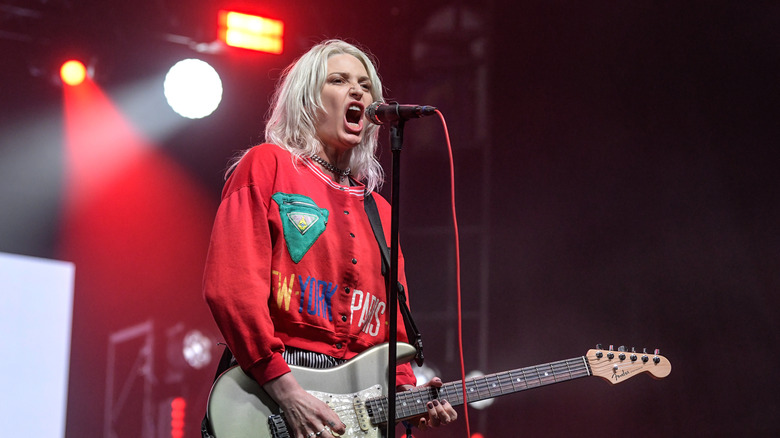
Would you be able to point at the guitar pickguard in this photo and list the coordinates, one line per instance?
(351, 409)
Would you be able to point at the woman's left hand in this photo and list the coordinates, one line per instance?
(440, 412)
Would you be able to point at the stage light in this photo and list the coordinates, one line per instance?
(193, 88)
(73, 72)
(251, 32)
(187, 349)
(196, 349)
(178, 407)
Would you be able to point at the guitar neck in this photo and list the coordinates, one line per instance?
(412, 403)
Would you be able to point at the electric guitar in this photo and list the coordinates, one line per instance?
(239, 408)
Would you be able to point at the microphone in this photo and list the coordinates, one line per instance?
(380, 113)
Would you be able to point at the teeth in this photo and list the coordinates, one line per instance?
(354, 108)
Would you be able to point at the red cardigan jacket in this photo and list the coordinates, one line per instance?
(293, 261)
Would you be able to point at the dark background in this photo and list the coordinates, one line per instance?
(616, 169)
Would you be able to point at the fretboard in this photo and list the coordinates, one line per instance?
(413, 403)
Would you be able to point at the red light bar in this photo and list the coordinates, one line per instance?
(251, 32)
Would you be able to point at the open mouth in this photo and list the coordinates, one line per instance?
(354, 116)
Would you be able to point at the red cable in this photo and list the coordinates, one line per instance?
(457, 273)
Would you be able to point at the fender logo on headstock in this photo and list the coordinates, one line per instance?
(617, 376)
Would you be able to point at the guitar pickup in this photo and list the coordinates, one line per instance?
(361, 413)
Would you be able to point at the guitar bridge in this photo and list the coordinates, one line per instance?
(278, 427)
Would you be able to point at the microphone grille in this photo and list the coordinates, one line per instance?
(371, 112)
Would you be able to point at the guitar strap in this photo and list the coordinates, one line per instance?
(411, 328)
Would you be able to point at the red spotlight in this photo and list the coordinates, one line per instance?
(477, 435)
(251, 32)
(73, 72)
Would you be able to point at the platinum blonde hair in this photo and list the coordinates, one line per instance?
(297, 101)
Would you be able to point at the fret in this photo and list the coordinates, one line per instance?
(574, 369)
(444, 392)
(505, 383)
(561, 371)
(518, 377)
(512, 380)
(485, 388)
(493, 388)
(581, 369)
(421, 399)
(548, 375)
(538, 376)
(472, 390)
(525, 378)
(482, 387)
(544, 374)
(453, 392)
(568, 370)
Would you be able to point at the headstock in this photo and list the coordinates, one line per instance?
(620, 365)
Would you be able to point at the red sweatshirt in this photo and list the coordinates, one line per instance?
(293, 261)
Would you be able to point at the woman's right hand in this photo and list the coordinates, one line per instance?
(306, 415)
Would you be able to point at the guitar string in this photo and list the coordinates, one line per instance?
(410, 403)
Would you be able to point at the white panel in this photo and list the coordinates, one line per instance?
(36, 303)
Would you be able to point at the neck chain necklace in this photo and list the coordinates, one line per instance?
(341, 173)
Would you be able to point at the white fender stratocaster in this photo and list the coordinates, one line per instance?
(239, 408)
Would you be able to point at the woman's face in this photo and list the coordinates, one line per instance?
(345, 95)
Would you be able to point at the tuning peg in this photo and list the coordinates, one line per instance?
(656, 359)
(644, 350)
(622, 348)
(598, 347)
(611, 355)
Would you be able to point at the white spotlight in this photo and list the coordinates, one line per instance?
(196, 349)
(193, 88)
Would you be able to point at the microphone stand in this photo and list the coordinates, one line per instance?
(396, 143)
